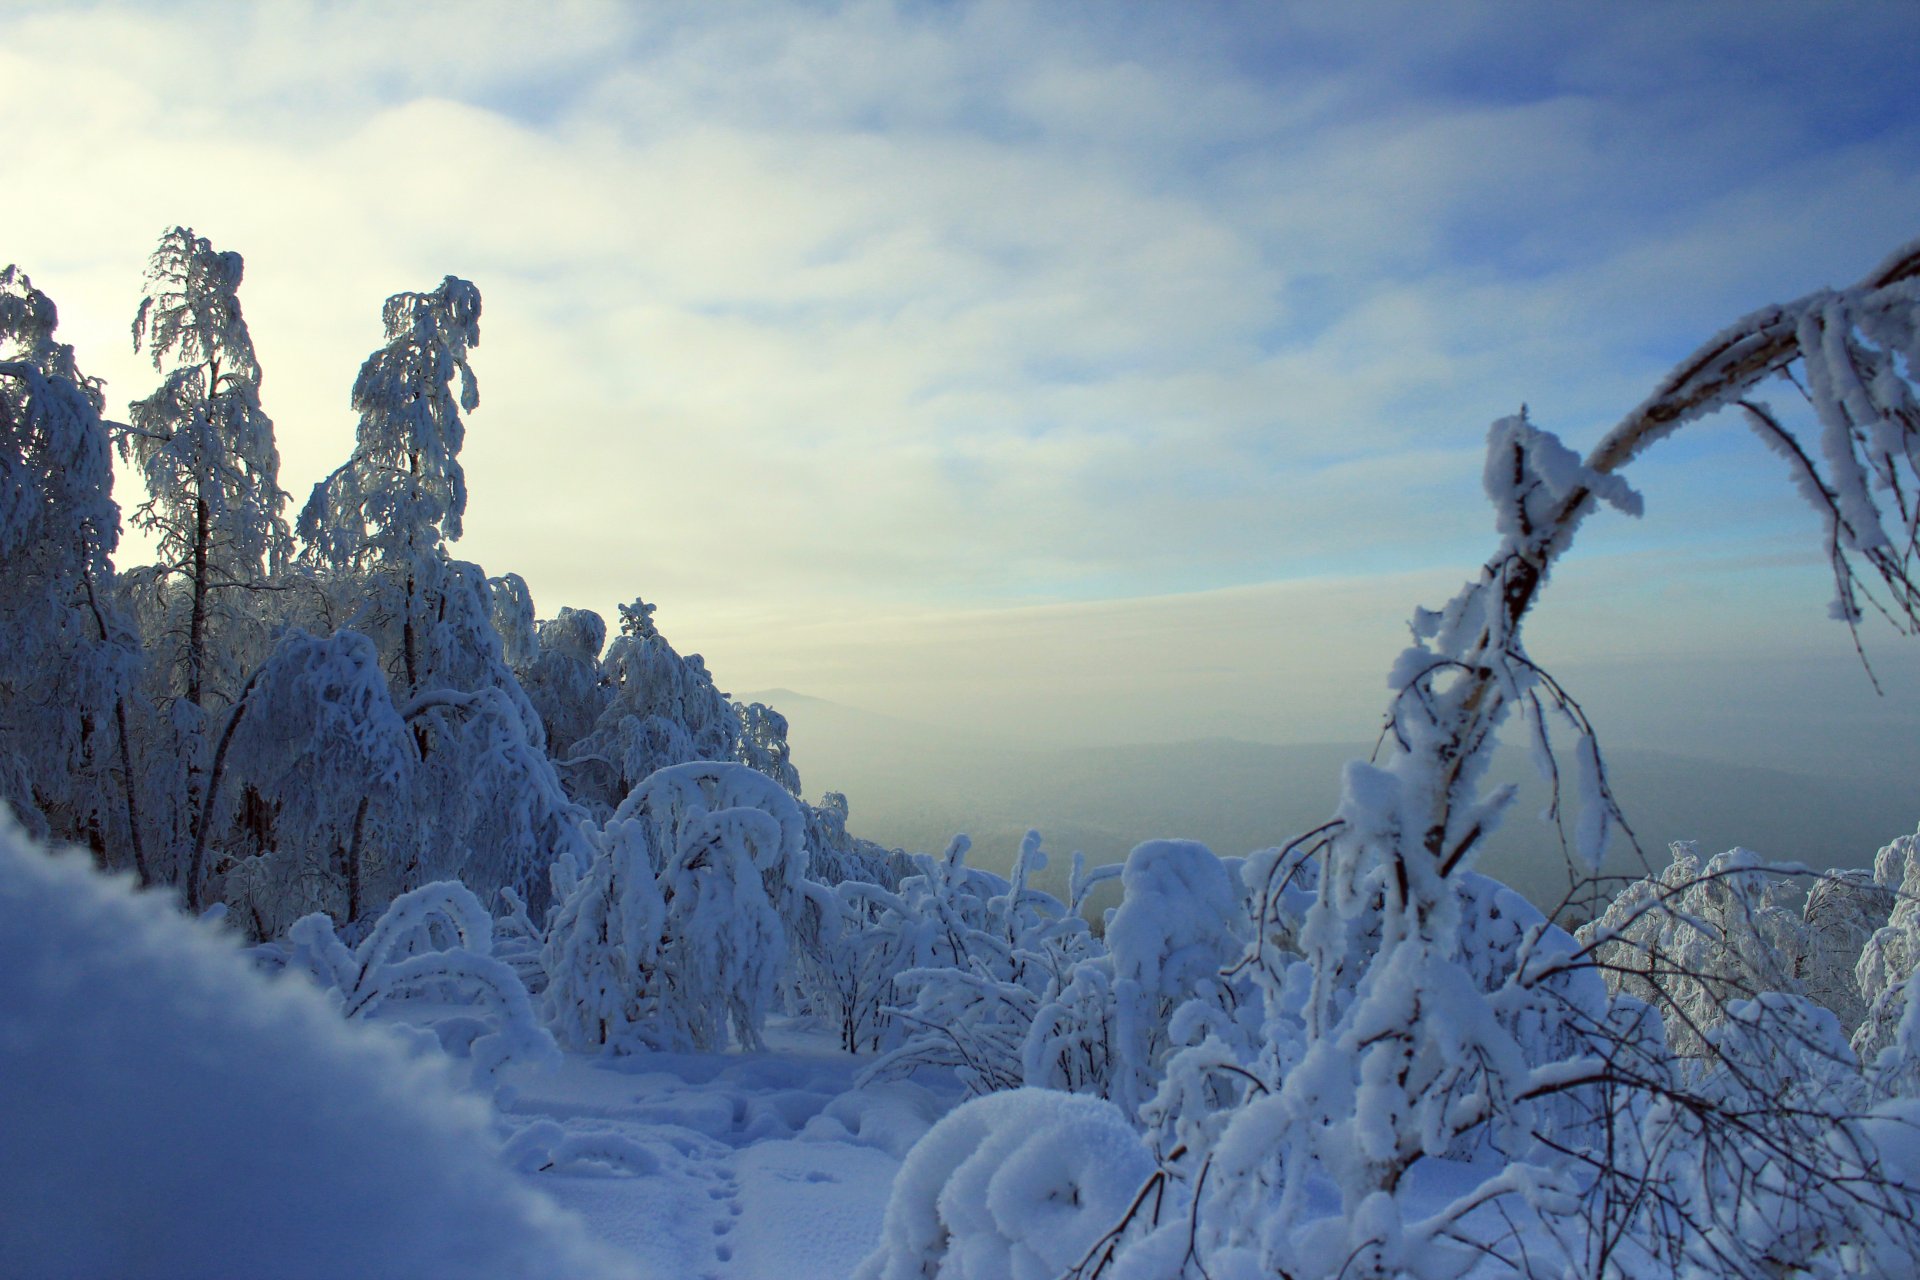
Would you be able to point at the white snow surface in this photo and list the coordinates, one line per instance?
(166, 1110)
(721, 1166)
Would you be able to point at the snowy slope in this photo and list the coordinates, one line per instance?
(720, 1165)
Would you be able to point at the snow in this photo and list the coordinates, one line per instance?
(726, 1165)
(170, 1112)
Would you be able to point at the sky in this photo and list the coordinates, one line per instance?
(1081, 371)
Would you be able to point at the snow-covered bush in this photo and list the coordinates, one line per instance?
(1020, 1185)
(1891, 955)
(681, 926)
(1844, 909)
(431, 947)
(604, 981)
(315, 737)
(169, 1111)
(1698, 936)
(980, 954)
(1181, 921)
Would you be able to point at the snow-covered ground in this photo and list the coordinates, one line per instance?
(710, 1166)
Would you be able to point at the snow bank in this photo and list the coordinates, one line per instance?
(166, 1111)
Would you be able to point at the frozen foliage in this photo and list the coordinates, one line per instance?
(662, 709)
(431, 946)
(1697, 936)
(978, 954)
(1594, 1149)
(1891, 955)
(681, 926)
(171, 1112)
(316, 739)
(205, 450)
(70, 656)
(1106, 1029)
(1014, 1186)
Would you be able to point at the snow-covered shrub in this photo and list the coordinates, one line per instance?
(1844, 909)
(604, 981)
(1891, 955)
(982, 953)
(848, 973)
(1181, 921)
(431, 947)
(682, 924)
(1019, 1185)
(518, 942)
(315, 737)
(169, 1111)
(1697, 936)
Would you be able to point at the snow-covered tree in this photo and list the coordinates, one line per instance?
(761, 744)
(386, 513)
(1602, 1153)
(205, 450)
(1844, 909)
(70, 656)
(839, 855)
(1698, 936)
(562, 676)
(662, 709)
(315, 737)
(1891, 955)
(681, 927)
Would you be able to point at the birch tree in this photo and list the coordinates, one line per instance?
(385, 515)
(71, 656)
(205, 450)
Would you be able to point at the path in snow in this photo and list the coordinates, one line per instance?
(721, 1166)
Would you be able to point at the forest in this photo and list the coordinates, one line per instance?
(351, 830)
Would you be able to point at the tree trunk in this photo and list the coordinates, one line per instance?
(197, 629)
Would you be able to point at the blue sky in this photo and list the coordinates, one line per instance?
(1125, 361)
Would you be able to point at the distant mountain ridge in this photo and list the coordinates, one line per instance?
(915, 785)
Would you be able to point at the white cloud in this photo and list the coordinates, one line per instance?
(876, 308)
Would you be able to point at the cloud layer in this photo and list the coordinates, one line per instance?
(872, 312)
